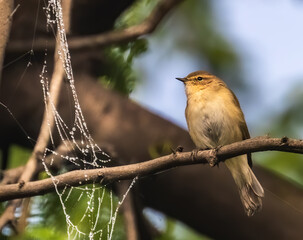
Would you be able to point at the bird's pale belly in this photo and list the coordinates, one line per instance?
(211, 126)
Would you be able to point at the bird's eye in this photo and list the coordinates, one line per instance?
(200, 78)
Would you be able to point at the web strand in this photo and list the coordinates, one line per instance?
(96, 209)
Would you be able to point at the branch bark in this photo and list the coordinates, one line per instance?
(112, 174)
(128, 210)
(52, 162)
(11, 176)
(200, 197)
(6, 11)
(103, 39)
(45, 129)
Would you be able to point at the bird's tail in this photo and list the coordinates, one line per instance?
(249, 187)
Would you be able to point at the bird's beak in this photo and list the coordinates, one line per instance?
(182, 79)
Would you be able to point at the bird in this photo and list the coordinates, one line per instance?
(214, 118)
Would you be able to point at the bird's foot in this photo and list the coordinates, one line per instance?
(194, 153)
(213, 159)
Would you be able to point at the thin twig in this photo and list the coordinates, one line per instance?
(111, 174)
(129, 212)
(5, 26)
(103, 39)
(53, 162)
(44, 134)
(14, 11)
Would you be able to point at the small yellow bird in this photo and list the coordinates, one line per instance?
(214, 118)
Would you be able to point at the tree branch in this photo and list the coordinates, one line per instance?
(6, 12)
(46, 126)
(103, 39)
(128, 210)
(111, 174)
(53, 162)
(11, 176)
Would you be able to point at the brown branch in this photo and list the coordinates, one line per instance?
(23, 219)
(43, 139)
(11, 176)
(53, 162)
(45, 129)
(111, 174)
(6, 11)
(103, 39)
(128, 210)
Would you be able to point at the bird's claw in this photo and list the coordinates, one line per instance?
(213, 159)
(194, 153)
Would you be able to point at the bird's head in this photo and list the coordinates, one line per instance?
(201, 80)
(197, 78)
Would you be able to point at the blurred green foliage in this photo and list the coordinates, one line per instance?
(160, 149)
(41, 232)
(117, 72)
(18, 156)
(175, 230)
(47, 219)
(288, 123)
(201, 34)
(193, 30)
(135, 14)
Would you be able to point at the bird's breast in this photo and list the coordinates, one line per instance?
(210, 120)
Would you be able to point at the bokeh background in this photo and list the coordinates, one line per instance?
(255, 46)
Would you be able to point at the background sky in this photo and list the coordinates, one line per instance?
(268, 35)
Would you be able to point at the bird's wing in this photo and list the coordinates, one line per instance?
(244, 130)
(245, 135)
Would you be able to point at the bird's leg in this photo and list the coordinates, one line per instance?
(213, 159)
(194, 153)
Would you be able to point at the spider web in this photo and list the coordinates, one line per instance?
(90, 210)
